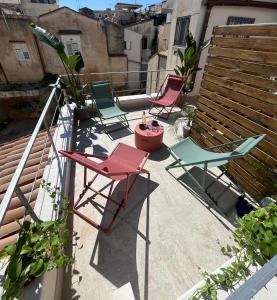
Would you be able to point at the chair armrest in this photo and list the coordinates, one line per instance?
(228, 145)
(234, 143)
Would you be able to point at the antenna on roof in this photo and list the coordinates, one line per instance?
(78, 4)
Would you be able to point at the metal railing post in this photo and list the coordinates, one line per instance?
(151, 82)
(25, 202)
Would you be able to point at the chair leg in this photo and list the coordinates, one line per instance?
(121, 204)
(172, 164)
(204, 177)
(151, 107)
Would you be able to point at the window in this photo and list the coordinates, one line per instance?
(21, 51)
(181, 31)
(127, 45)
(72, 43)
(44, 1)
(240, 20)
(144, 42)
(72, 47)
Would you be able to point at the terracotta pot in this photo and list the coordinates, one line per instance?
(83, 113)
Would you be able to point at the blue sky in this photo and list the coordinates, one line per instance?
(101, 4)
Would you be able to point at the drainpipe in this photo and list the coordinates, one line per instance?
(205, 24)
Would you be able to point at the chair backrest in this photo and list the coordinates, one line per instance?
(248, 145)
(102, 93)
(173, 86)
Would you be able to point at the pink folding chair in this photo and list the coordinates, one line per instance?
(168, 95)
(123, 162)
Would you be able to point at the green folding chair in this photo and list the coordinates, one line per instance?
(188, 153)
(106, 106)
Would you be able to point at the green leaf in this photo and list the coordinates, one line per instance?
(10, 250)
(36, 267)
(48, 225)
(14, 269)
(26, 250)
(42, 270)
(55, 240)
(205, 45)
(60, 262)
(71, 61)
(80, 62)
(189, 53)
(48, 38)
(35, 237)
(26, 225)
(7, 282)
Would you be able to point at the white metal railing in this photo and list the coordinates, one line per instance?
(149, 84)
(14, 184)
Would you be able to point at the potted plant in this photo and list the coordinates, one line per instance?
(39, 248)
(189, 60)
(185, 120)
(255, 244)
(72, 65)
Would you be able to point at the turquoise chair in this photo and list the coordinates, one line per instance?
(188, 153)
(107, 107)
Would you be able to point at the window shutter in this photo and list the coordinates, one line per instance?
(69, 49)
(240, 20)
(181, 31)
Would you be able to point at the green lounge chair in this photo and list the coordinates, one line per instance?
(107, 107)
(188, 153)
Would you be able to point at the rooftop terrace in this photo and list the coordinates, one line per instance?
(170, 231)
(159, 243)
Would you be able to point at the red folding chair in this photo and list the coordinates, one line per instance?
(123, 162)
(168, 95)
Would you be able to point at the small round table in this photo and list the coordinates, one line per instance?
(149, 140)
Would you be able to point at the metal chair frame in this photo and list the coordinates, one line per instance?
(155, 101)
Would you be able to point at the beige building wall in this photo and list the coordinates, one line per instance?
(35, 9)
(93, 43)
(147, 30)
(180, 9)
(163, 37)
(133, 51)
(16, 30)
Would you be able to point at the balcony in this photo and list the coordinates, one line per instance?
(170, 230)
(157, 246)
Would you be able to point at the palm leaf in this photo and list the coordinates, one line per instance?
(205, 45)
(177, 72)
(80, 62)
(48, 38)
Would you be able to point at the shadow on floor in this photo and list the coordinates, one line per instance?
(226, 202)
(71, 275)
(160, 154)
(114, 255)
(85, 136)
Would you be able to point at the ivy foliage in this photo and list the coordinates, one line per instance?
(255, 244)
(39, 248)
